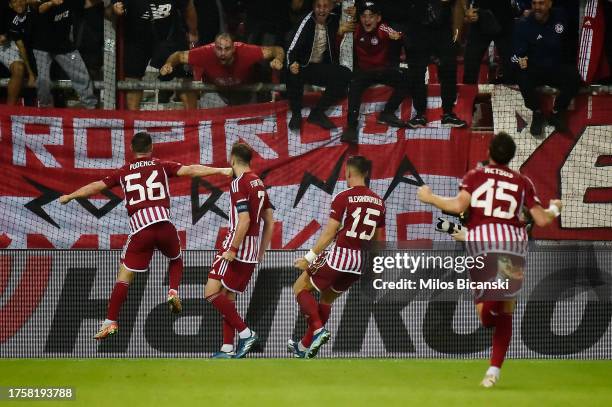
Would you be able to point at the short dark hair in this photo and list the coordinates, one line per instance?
(361, 164)
(502, 148)
(243, 152)
(141, 142)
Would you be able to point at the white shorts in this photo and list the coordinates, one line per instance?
(9, 53)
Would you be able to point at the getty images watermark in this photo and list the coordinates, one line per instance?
(411, 263)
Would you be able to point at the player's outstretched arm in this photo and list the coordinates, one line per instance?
(327, 236)
(244, 220)
(543, 217)
(456, 204)
(197, 170)
(268, 229)
(83, 192)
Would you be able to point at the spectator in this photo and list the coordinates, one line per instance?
(154, 29)
(88, 36)
(371, 40)
(312, 58)
(432, 31)
(225, 63)
(490, 20)
(538, 50)
(13, 53)
(52, 23)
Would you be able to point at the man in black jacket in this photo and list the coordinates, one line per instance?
(312, 58)
(490, 20)
(539, 46)
(431, 32)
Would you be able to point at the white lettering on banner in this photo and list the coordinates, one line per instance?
(593, 143)
(36, 142)
(235, 131)
(206, 142)
(176, 132)
(117, 135)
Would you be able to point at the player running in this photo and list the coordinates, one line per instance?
(144, 181)
(495, 196)
(241, 250)
(357, 215)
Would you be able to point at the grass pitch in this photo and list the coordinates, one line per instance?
(318, 382)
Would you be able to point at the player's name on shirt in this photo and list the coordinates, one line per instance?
(256, 183)
(140, 164)
(365, 199)
(498, 171)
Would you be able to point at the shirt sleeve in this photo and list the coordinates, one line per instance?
(267, 203)
(468, 182)
(252, 53)
(199, 55)
(338, 207)
(520, 42)
(171, 167)
(113, 179)
(240, 196)
(531, 198)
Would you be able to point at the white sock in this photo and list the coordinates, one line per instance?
(493, 370)
(244, 334)
(227, 348)
(301, 347)
(318, 330)
(107, 321)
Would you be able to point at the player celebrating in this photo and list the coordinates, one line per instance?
(240, 252)
(495, 196)
(357, 215)
(144, 181)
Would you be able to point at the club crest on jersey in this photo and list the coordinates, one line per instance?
(558, 28)
(374, 41)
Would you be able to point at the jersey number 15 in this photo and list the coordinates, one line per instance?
(366, 221)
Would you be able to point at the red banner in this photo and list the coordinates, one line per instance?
(45, 153)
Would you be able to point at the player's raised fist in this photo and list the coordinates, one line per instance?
(228, 171)
(64, 199)
(301, 264)
(424, 193)
(57, 2)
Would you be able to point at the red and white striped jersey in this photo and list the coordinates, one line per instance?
(361, 212)
(498, 196)
(145, 186)
(497, 238)
(247, 193)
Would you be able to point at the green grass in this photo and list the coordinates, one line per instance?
(320, 382)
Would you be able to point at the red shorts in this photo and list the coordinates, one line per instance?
(324, 277)
(234, 275)
(139, 247)
(503, 267)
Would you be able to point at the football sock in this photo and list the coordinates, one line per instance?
(228, 311)
(175, 271)
(117, 299)
(501, 339)
(245, 333)
(489, 313)
(495, 371)
(310, 309)
(324, 313)
(228, 333)
(227, 348)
